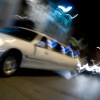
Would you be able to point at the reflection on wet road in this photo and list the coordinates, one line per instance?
(47, 85)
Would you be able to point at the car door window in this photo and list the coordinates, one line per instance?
(25, 34)
(57, 48)
(42, 43)
(52, 43)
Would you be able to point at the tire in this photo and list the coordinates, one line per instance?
(9, 63)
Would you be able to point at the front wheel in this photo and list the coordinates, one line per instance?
(9, 64)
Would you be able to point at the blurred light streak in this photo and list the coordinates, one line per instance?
(65, 9)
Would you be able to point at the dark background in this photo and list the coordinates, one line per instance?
(87, 22)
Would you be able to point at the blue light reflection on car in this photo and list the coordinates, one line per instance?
(52, 44)
(65, 50)
(9, 30)
(69, 51)
(77, 53)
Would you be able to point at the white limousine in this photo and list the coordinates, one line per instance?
(22, 47)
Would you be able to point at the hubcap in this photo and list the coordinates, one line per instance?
(10, 65)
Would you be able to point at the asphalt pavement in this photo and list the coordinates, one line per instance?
(29, 84)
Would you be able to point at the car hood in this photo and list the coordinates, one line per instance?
(7, 42)
(6, 38)
(11, 41)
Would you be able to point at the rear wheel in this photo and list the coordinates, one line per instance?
(9, 63)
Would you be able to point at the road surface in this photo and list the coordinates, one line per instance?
(30, 84)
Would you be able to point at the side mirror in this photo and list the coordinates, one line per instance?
(40, 44)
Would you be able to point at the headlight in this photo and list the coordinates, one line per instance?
(1, 42)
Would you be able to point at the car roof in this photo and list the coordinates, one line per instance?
(39, 33)
(42, 34)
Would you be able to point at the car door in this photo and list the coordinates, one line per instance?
(41, 50)
(57, 57)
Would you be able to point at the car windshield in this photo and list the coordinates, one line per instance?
(19, 33)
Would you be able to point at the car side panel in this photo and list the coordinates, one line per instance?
(38, 64)
(62, 59)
